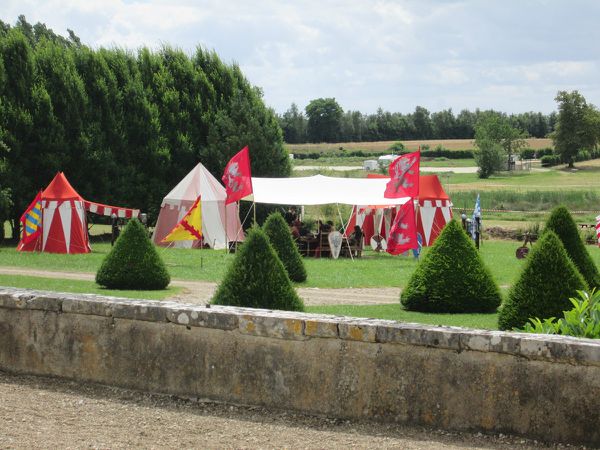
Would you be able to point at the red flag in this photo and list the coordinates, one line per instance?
(237, 178)
(31, 220)
(404, 176)
(403, 233)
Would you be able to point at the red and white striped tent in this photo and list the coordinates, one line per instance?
(64, 224)
(433, 209)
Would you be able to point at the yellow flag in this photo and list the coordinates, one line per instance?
(190, 227)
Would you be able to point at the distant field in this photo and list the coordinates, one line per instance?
(382, 146)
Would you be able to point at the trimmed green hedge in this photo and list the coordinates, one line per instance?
(562, 223)
(544, 287)
(257, 279)
(282, 241)
(133, 262)
(451, 278)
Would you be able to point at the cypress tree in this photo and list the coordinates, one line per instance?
(256, 278)
(133, 263)
(451, 277)
(562, 223)
(281, 239)
(544, 287)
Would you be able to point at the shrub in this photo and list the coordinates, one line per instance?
(550, 160)
(133, 263)
(397, 147)
(451, 277)
(562, 223)
(581, 321)
(544, 286)
(544, 151)
(257, 279)
(527, 153)
(281, 239)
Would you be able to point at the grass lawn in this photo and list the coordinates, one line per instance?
(395, 312)
(80, 287)
(372, 270)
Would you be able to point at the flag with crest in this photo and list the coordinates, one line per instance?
(190, 227)
(237, 177)
(403, 233)
(404, 176)
(31, 220)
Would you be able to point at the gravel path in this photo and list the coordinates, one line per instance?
(200, 292)
(38, 412)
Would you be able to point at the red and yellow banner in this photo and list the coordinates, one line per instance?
(190, 227)
(31, 220)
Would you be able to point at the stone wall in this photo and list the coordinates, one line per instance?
(539, 386)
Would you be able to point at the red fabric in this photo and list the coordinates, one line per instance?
(58, 241)
(107, 210)
(60, 189)
(404, 176)
(237, 178)
(403, 233)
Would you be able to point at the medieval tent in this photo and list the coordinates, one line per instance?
(63, 219)
(433, 212)
(220, 224)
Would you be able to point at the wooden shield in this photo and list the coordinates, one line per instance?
(335, 243)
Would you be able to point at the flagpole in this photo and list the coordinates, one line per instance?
(254, 205)
(226, 231)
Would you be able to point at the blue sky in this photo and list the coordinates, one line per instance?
(507, 55)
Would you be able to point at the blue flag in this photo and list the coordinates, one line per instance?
(476, 213)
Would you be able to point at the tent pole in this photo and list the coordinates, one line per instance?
(226, 233)
(254, 205)
(345, 236)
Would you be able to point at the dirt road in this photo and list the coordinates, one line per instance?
(38, 412)
(200, 292)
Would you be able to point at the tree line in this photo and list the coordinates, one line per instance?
(324, 120)
(124, 126)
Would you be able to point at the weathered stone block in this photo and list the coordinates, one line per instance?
(356, 331)
(281, 328)
(413, 334)
(321, 328)
(199, 316)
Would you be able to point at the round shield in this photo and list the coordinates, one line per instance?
(378, 243)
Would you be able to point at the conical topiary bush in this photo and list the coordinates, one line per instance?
(562, 223)
(544, 287)
(451, 277)
(281, 239)
(133, 263)
(256, 278)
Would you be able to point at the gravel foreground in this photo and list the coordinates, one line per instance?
(38, 412)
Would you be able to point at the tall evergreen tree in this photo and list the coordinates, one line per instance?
(561, 222)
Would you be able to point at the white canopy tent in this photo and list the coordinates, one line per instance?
(322, 190)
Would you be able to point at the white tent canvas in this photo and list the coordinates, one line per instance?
(219, 224)
(322, 190)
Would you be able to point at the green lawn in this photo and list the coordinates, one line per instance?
(395, 312)
(372, 270)
(80, 286)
